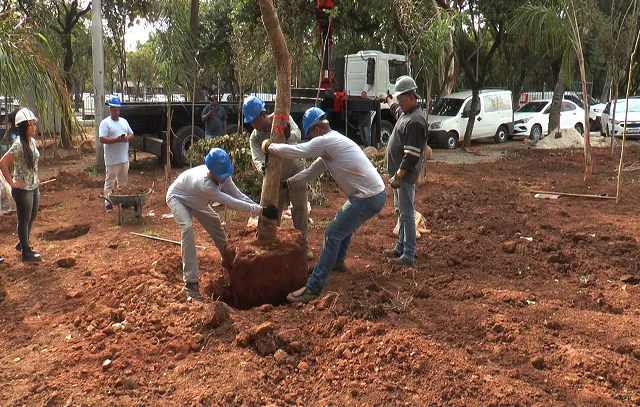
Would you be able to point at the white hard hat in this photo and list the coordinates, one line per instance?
(25, 114)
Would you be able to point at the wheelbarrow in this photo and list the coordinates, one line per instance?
(128, 201)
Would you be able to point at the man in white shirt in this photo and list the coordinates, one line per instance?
(356, 177)
(190, 196)
(115, 134)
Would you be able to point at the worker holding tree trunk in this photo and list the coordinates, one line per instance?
(191, 194)
(255, 113)
(404, 161)
(356, 177)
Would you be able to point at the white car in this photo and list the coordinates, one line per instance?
(633, 118)
(532, 119)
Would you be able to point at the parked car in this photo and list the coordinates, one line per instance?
(633, 118)
(449, 116)
(532, 119)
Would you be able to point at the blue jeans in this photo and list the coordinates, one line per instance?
(366, 136)
(337, 237)
(403, 201)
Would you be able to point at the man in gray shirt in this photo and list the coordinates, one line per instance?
(214, 118)
(255, 113)
(404, 161)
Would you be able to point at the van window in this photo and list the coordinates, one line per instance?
(467, 107)
(495, 103)
(447, 107)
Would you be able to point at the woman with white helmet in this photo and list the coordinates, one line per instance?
(24, 156)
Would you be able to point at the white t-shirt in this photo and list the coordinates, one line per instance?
(348, 165)
(115, 153)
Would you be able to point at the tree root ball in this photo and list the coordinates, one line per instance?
(265, 272)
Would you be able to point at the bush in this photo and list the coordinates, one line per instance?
(237, 147)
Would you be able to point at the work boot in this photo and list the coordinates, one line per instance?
(30, 256)
(391, 253)
(303, 295)
(340, 267)
(401, 261)
(309, 254)
(193, 291)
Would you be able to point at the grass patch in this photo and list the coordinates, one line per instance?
(151, 233)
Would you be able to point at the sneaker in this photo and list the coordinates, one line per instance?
(303, 295)
(193, 291)
(391, 253)
(401, 261)
(309, 254)
(109, 207)
(340, 267)
(31, 257)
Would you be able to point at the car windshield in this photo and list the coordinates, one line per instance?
(447, 107)
(532, 107)
(634, 106)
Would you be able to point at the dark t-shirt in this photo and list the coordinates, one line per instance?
(12, 121)
(214, 124)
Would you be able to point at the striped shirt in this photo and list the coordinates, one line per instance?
(407, 143)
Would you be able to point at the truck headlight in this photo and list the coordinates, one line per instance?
(436, 125)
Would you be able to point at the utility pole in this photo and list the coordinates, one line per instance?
(98, 77)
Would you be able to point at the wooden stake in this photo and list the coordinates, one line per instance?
(163, 240)
(574, 195)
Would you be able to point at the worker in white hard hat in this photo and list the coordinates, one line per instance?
(24, 155)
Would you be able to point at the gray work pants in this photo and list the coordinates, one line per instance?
(299, 213)
(210, 220)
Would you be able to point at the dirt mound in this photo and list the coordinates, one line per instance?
(75, 178)
(66, 232)
(130, 190)
(570, 138)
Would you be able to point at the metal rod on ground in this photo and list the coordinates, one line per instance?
(163, 239)
(575, 195)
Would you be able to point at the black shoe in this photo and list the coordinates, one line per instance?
(31, 257)
(193, 291)
(391, 253)
(109, 207)
(401, 261)
(340, 267)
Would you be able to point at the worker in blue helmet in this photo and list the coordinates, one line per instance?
(356, 177)
(115, 134)
(255, 114)
(190, 196)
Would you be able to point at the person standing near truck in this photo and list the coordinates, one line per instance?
(115, 134)
(189, 197)
(255, 113)
(404, 161)
(214, 118)
(356, 177)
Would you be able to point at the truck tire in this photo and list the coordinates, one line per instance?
(182, 142)
(232, 129)
(386, 128)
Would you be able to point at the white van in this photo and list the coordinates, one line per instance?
(449, 116)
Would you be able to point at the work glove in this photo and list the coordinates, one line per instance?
(395, 182)
(265, 146)
(382, 98)
(269, 212)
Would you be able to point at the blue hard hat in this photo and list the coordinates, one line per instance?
(252, 107)
(311, 117)
(219, 163)
(114, 101)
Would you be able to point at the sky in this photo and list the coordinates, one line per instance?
(139, 32)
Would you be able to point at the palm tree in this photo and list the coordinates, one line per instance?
(554, 24)
(27, 69)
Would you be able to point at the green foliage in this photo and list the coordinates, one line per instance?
(236, 146)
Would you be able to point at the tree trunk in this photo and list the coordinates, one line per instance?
(65, 130)
(612, 109)
(271, 185)
(587, 137)
(475, 101)
(556, 101)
